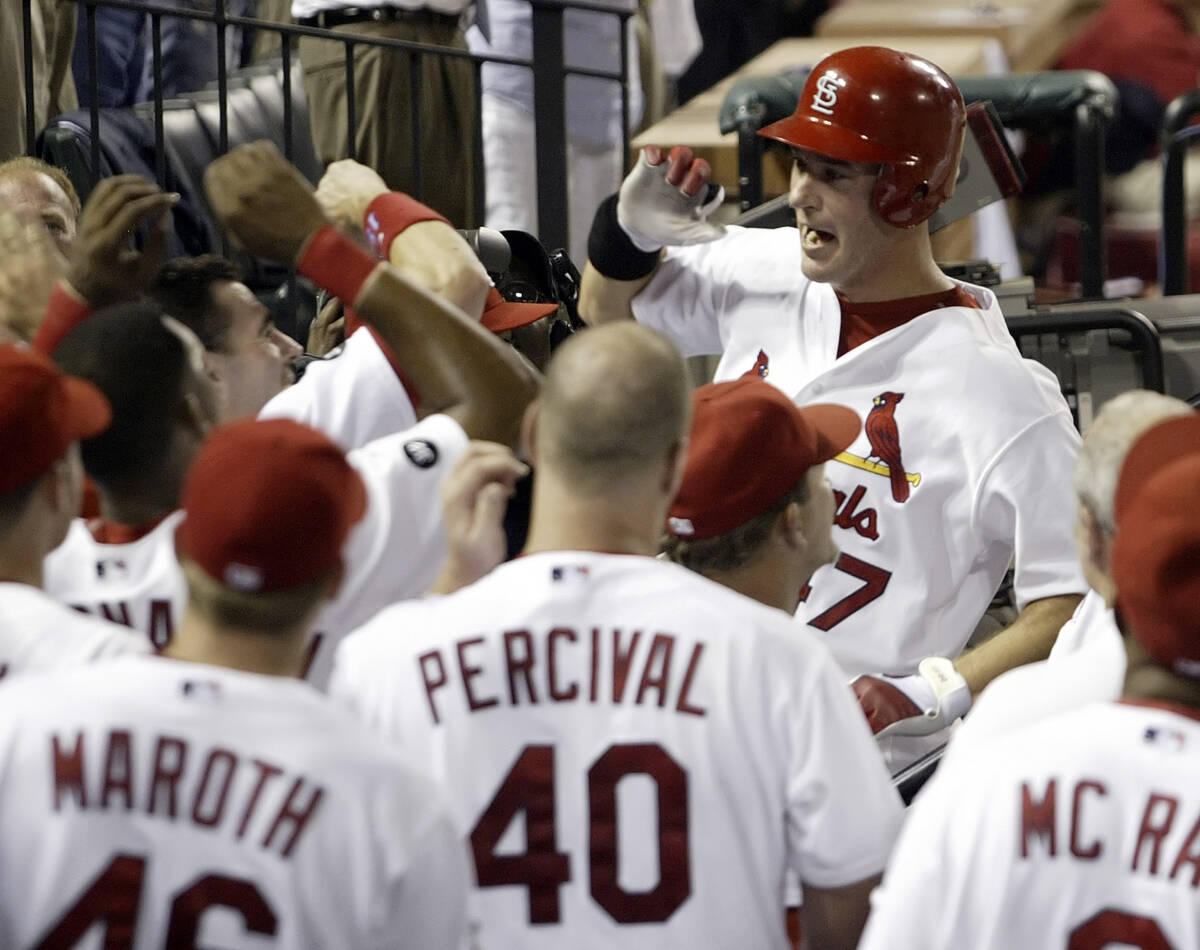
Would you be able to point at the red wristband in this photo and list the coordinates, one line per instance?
(65, 310)
(391, 213)
(332, 260)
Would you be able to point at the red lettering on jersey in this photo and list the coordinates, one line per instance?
(432, 684)
(468, 673)
(557, 693)
(117, 613)
(847, 516)
(297, 816)
(661, 648)
(266, 772)
(68, 772)
(161, 624)
(118, 768)
(1154, 828)
(1187, 855)
(164, 775)
(621, 663)
(216, 809)
(682, 704)
(1037, 818)
(1092, 851)
(592, 693)
(519, 665)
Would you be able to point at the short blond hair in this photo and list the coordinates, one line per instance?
(272, 612)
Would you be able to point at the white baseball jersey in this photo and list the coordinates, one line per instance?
(354, 396)
(986, 446)
(637, 753)
(395, 552)
(1079, 831)
(1089, 667)
(183, 805)
(38, 633)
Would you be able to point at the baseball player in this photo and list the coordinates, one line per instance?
(397, 549)
(219, 801)
(1088, 659)
(1080, 830)
(638, 753)
(965, 457)
(363, 393)
(43, 414)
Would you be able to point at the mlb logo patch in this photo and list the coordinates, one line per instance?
(204, 690)
(578, 572)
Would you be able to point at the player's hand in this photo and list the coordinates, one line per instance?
(32, 264)
(474, 498)
(263, 200)
(105, 267)
(328, 330)
(916, 705)
(345, 191)
(666, 200)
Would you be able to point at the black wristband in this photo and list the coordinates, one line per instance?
(611, 251)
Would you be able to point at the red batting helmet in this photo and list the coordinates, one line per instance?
(876, 105)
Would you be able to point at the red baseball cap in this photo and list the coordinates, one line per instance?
(500, 314)
(42, 411)
(749, 445)
(1156, 547)
(268, 505)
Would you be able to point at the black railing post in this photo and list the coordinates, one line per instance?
(27, 37)
(1176, 134)
(1089, 165)
(285, 54)
(160, 151)
(414, 87)
(550, 123)
(94, 90)
(351, 119)
(222, 80)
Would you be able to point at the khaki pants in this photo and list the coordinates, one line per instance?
(53, 87)
(447, 116)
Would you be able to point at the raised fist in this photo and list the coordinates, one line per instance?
(345, 191)
(666, 200)
(263, 200)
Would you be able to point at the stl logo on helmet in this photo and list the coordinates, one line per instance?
(825, 98)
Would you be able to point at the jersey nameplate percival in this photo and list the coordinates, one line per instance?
(641, 668)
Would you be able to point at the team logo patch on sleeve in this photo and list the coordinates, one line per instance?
(884, 436)
(421, 453)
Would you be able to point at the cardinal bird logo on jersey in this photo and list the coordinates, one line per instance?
(880, 426)
(762, 366)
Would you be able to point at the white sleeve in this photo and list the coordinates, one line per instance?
(682, 299)
(843, 813)
(426, 900)
(908, 909)
(1027, 497)
(396, 551)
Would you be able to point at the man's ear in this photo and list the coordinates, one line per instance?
(676, 463)
(529, 425)
(194, 417)
(792, 525)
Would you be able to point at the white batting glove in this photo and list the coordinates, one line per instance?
(667, 202)
(915, 705)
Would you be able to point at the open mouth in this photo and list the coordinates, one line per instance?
(814, 237)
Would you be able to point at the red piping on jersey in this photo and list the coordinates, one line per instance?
(112, 532)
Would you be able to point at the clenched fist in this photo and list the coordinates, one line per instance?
(263, 200)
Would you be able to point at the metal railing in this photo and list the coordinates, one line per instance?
(1177, 135)
(547, 63)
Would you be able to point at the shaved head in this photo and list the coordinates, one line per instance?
(616, 400)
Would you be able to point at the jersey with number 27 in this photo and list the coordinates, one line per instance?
(636, 753)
